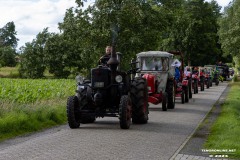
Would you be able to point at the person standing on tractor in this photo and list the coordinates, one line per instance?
(177, 64)
(104, 59)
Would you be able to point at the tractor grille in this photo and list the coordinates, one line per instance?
(100, 77)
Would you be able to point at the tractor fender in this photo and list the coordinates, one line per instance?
(150, 82)
(185, 82)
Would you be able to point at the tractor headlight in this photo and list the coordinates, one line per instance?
(118, 78)
(79, 79)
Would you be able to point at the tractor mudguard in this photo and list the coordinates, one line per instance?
(150, 82)
(185, 82)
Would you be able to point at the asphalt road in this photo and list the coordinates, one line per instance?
(104, 140)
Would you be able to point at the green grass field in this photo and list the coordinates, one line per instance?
(28, 105)
(226, 130)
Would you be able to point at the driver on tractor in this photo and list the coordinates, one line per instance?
(104, 59)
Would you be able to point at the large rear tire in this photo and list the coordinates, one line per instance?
(171, 94)
(125, 112)
(139, 97)
(195, 87)
(73, 112)
(182, 97)
(208, 83)
(202, 86)
(186, 90)
(190, 88)
(164, 101)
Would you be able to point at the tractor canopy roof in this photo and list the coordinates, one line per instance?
(155, 54)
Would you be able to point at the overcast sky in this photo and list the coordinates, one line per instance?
(32, 16)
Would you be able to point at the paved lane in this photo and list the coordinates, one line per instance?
(103, 140)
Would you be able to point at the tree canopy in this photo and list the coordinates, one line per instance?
(8, 44)
(190, 26)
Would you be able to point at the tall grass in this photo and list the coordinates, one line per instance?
(31, 105)
(29, 118)
(226, 130)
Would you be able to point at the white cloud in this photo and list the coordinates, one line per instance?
(32, 16)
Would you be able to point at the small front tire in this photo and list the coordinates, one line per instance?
(73, 112)
(125, 112)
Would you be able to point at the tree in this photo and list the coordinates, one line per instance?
(132, 24)
(8, 35)
(33, 62)
(7, 56)
(229, 31)
(195, 32)
(8, 43)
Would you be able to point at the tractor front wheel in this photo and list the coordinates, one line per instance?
(73, 112)
(125, 112)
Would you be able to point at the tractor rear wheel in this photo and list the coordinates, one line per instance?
(190, 88)
(195, 87)
(217, 82)
(125, 112)
(73, 112)
(202, 86)
(208, 83)
(182, 97)
(139, 97)
(186, 90)
(171, 94)
(164, 101)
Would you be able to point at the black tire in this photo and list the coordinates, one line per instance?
(208, 83)
(183, 97)
(84, 99)
(139, 97)
(217, 82)
(186, 90)
(73, 110)
(164, 101)
(202, 86)
(195, 87)
(125, 114)
(171, 94)
(190, 88)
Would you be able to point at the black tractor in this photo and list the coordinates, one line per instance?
(109, 93)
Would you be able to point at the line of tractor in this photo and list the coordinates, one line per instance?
(156, 77)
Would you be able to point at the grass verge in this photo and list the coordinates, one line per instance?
(224, 134)
(23, 119)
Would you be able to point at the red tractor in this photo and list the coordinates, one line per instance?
(184, 82)
(155, 67)
(195, 79)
